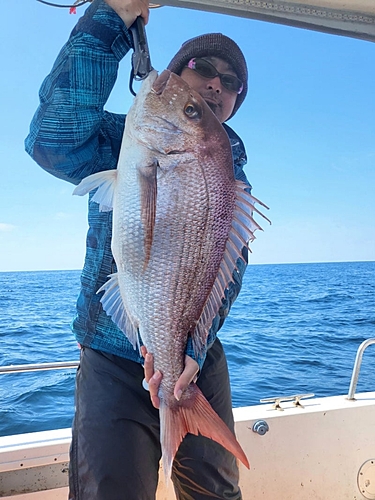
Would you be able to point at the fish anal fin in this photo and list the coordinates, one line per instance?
(105, 183)
(148, 189)
(114, 307)
(211, 308)
(195, 416)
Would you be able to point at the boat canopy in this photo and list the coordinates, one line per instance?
(353, 18)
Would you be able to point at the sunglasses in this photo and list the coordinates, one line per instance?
(208, 70)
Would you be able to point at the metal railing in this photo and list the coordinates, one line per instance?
(357, 367)
(39, 367)
(66, 365)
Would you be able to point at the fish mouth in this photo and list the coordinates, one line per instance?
(161, 82)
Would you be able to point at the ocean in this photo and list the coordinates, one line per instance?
(294, 329)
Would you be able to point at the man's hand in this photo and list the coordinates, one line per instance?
(129, 10)
(154, 378)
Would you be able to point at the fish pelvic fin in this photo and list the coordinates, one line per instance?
(148, 189)
(105, 183)
(114, 307)
(195, 416)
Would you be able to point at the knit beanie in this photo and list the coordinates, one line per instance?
(217, 45)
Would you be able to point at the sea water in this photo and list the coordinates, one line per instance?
(295, 328)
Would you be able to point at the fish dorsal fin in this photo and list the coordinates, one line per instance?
(148, 187)
(240, 234)
(105, 182)
(114, 307)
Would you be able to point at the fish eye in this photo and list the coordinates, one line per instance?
(191, 110)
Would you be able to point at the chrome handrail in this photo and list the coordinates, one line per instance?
(357, 367)
(64, 365)
(59, 365)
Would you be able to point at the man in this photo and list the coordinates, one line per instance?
(115, 448)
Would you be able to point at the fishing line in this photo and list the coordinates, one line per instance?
(141, 65)
(76, 4)
(82, 2)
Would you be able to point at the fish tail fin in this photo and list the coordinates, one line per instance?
(195, 417)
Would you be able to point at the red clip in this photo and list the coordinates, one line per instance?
(73, 10)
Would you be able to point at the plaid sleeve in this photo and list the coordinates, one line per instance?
(71, 136)
(189, 351)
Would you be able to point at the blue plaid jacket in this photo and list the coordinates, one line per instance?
(71, 137)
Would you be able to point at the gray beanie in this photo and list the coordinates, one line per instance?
(217, 45)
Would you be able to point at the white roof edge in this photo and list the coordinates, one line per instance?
(338, 17)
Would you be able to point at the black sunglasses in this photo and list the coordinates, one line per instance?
(208, 70)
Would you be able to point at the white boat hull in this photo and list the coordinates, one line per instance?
(325, 450)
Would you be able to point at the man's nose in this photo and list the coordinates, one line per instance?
(215, 84)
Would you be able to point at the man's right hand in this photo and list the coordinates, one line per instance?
(153, 378)
(129, 10)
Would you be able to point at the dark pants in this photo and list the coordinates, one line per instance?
(115, 448)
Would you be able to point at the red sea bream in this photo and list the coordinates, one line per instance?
(180, 220)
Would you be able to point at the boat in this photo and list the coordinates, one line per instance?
(354, 18)
(300, 447)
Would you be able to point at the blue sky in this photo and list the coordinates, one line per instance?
(308, 124)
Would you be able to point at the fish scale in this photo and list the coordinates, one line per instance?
(180, 221)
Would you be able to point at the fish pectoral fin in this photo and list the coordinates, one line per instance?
(148, 189)
(105, 182)
(196, 417)
(114, 307)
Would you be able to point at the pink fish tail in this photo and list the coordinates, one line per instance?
(196, 417)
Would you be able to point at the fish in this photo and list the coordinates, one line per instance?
(180, 221)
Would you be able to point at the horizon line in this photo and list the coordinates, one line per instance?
(250, 264)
